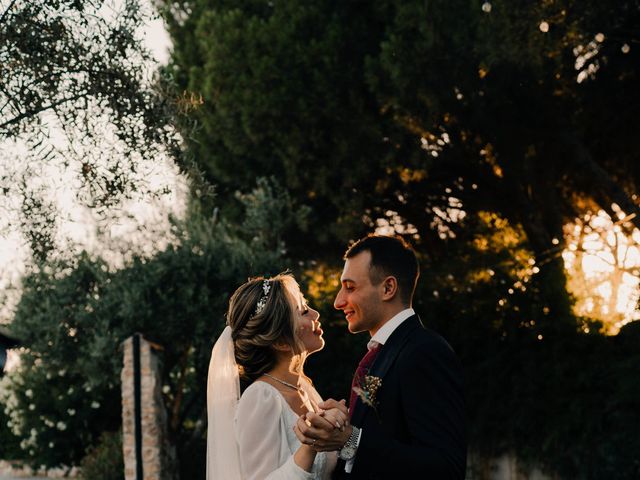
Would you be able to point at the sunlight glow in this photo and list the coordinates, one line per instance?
(603, 262)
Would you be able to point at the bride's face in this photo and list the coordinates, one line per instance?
(307, 324)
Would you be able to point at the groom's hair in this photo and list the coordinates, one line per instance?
(390, 256)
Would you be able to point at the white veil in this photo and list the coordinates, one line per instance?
(223, 394)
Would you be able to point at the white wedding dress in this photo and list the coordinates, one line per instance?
(266, 441)
(250, 437)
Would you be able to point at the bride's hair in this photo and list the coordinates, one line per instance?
(254, 334)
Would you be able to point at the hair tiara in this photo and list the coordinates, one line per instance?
(266, 288)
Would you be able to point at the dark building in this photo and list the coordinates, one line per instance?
(6, 342)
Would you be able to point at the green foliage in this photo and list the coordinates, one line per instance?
(276, 82)
(105, 460)
(476, 133)
(77, 95)
(76, 61)
(538, 385)
(406, 107)
(9, 443)
(73, 317)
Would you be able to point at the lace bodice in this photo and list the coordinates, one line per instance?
(264, 432)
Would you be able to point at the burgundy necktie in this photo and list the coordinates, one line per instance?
(363, 369)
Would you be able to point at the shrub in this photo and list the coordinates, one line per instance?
(104, 461)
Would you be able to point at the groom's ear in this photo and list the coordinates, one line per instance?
(389, 288)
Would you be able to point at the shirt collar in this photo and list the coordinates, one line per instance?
(385, 331)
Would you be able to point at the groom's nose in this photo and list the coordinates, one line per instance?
(339, 303)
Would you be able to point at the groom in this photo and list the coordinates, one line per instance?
(408, 415)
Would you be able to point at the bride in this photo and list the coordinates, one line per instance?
(270, 331)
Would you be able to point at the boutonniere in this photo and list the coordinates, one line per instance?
(368, 389)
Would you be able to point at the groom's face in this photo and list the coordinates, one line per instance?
(358, 298)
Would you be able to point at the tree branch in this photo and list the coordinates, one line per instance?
(36, 111)
(609, 190)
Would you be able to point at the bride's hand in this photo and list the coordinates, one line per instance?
(315, 431)
(336, 417)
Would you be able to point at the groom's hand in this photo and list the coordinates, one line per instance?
(314, 430)
(331, 403)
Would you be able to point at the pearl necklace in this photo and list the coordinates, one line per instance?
(287, 384)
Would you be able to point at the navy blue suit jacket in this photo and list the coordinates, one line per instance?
(418, 427)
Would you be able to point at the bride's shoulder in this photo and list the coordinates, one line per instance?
(260, 392)
(259, 401)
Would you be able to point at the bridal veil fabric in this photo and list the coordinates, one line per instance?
(223, 394)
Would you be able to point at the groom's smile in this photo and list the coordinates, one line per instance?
(358, 297)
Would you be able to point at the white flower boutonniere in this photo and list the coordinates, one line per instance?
(368, 389)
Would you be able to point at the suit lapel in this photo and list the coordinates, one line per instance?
(385, 359)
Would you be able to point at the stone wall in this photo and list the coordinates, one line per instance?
(158, 457)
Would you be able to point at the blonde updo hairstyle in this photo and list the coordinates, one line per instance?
(254, 335)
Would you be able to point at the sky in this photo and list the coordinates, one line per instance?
(157, 40)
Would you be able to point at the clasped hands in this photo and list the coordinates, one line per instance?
(328, 429)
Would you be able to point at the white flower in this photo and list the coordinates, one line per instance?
(61, 426)
(71, 412)
(32, 407)
(29, 393)
(70, 391)
(95, 404)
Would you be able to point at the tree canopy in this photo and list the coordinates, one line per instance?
(476, 129)
(78, 100)
(416, 108)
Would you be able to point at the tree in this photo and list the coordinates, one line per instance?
(283, 94)
(78, 98)
(59, 406)
(458, 124)
(415, 109)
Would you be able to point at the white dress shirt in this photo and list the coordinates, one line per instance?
(381, 337)
(385, 331)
